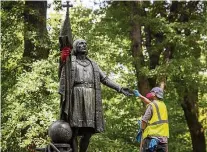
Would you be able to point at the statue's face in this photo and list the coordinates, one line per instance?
(82, 47)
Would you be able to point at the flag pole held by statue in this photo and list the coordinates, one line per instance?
(60, 131)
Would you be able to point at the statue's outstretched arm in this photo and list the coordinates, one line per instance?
(106, 81)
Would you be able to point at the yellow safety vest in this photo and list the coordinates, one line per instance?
(158, 125)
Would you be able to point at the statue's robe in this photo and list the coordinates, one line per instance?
(81, 103)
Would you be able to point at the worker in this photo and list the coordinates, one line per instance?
(154, 124)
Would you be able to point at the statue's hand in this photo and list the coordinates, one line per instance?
(127, 91)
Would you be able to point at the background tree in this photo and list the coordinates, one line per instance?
(20, 36)
(35, 31)
(158, 43)
(168, 48)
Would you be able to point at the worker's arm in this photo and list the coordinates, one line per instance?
(143, 98)
(147, 116)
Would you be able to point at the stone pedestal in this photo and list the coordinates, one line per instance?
(60, 147)
(60, 134)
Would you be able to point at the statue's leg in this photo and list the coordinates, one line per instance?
(74, 144)
(84, 142)
(74, 140)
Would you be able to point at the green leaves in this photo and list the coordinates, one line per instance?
(30, 101)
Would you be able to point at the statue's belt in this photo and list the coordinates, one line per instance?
(84, 84)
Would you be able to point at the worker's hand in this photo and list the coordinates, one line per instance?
(136, 93)
(126, 91)
(64, 53)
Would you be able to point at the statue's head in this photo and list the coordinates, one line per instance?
(80, 47)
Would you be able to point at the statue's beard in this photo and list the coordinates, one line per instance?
(85, 52)
(82, 52)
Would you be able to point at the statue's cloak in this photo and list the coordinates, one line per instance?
(66, 89)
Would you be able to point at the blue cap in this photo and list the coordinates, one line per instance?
(158, 92)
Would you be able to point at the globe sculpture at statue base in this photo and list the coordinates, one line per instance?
(60, 134)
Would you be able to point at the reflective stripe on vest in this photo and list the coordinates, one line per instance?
(158, 125)
(159, 117)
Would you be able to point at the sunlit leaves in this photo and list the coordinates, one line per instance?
(30, 101)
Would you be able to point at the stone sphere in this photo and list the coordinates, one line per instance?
(60, 132)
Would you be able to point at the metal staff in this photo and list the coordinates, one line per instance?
(65, 40)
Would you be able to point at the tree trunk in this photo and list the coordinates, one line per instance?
(196, 129)
(190, 99)
(35, 32)
(136, 47)
(148, 35)
(154, 55)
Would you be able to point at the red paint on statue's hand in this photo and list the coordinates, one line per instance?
(64, 53)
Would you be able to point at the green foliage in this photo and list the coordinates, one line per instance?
(11, 44)
(30, 101)
(29, 107)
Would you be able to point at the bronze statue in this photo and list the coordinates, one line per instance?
(82, 108)
(81, 111)
(80, 88)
